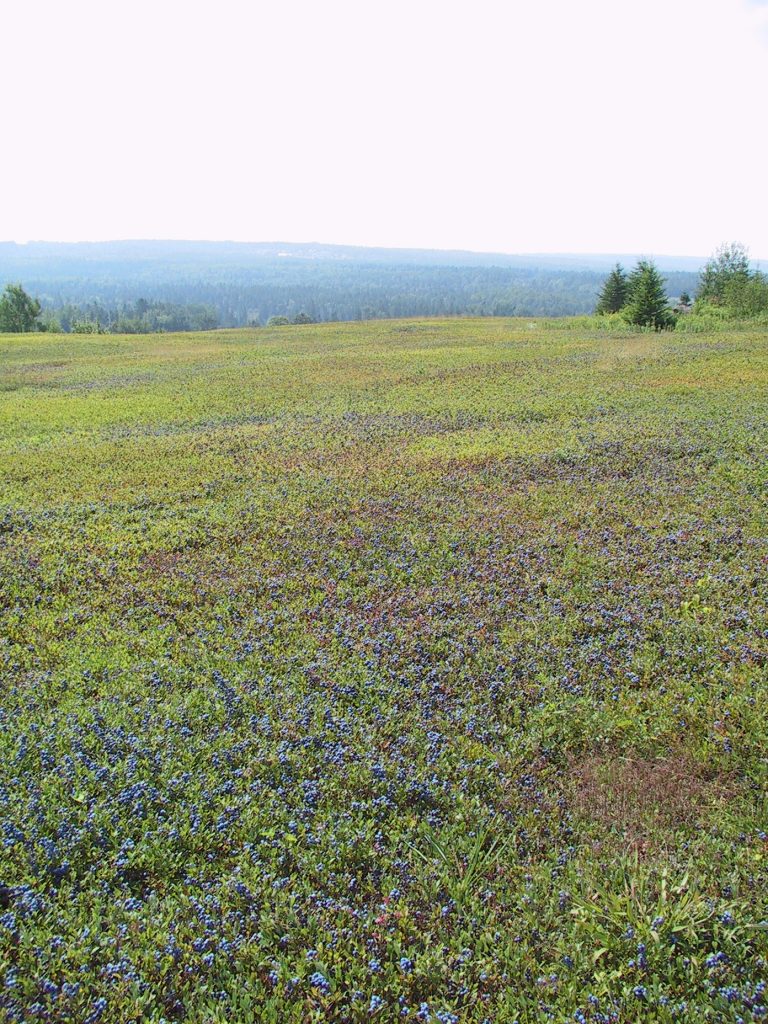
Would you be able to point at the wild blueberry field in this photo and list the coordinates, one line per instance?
(401, 671)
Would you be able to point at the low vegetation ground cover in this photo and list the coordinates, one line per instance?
(396, 671)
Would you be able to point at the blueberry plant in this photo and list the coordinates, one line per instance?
(410, 671)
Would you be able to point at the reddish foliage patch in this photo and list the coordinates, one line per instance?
(647, 802)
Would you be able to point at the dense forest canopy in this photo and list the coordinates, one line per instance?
(146, 286)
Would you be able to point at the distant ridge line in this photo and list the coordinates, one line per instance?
(233, 251)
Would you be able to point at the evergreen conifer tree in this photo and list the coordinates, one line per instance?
(648, 304)
(614, 293)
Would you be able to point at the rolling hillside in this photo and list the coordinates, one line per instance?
(397, 671)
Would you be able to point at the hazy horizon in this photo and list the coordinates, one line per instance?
(238, 283)
(308, 242)
(524, 128)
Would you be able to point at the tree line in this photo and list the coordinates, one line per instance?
(20, 314)
(120, 296)
(126, 297)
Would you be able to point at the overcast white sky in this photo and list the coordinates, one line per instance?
(509, 125)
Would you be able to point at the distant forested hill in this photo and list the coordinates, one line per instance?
(230, 284)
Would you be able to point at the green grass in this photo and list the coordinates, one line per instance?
(387, 671)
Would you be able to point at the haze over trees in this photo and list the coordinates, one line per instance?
(146, 286)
